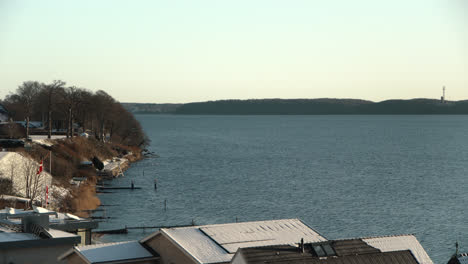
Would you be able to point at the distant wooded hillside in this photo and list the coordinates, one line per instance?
(307, 107)
(138, 108)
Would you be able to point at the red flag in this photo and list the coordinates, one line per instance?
(40, 168)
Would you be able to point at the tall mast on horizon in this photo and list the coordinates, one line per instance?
(442, 99)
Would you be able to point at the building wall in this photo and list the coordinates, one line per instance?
(13, 164)
(168, 252)
(74, 259)
(37, 255)
(238, 259)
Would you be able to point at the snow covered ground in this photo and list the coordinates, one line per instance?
(43, 140)
(16, 167)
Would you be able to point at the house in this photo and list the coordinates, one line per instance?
(16, 168)
(121, 252)
(60, 221)
(218, 243)
(404, 249)
(4, 115)
(31, 239)
(32, 124)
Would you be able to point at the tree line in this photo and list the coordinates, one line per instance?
(60, 107)
(324, 106)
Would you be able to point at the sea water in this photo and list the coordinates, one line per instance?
(344, 176)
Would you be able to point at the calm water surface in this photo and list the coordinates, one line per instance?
(345, 176)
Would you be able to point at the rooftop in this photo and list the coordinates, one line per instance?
(120, 251)
(388, 250)
(219, 243)
(11, 237)
(461, 258)
(60, 221)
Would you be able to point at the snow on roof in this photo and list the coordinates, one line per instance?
(12, 211)
(402, 242)
(60, 217)
(218, 243)
(114, 251)
(40, 210)
(44, 140)
(59, 234)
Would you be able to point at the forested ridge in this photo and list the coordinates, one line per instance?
(323, 107)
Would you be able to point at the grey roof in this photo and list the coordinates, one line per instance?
(113, 252)
(8, 235)
(58, 221)
(340, 252)
(12, 238)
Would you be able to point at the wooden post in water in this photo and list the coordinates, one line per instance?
(155, 184)
(165, 204)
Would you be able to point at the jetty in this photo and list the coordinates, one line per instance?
(118, 188)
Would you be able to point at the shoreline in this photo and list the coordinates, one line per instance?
(90, 199)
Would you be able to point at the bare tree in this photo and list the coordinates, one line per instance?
(72, 101)
(27, 93)
(50, 91)
(33, 181)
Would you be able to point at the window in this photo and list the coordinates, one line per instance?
(328, 250)
(319, 251)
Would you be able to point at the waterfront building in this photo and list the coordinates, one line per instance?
(58, 221)
(218, 243)
(29, 237)
(404, 249)
(121, 252)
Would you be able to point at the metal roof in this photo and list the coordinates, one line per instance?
(346, 251)
(402, 242)
(8, 235)
(114, 251)
(277, 256)
(218, 243)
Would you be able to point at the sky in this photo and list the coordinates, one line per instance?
(197, 50)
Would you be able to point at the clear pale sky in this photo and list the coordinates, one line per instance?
(196, 50)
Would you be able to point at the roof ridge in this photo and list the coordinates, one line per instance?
(372, 237)
(104, 244)
(234, 223)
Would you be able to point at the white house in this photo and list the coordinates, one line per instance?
(17, 168)
(218, 243)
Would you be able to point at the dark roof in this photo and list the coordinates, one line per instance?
(458, 258)
(353, 251)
